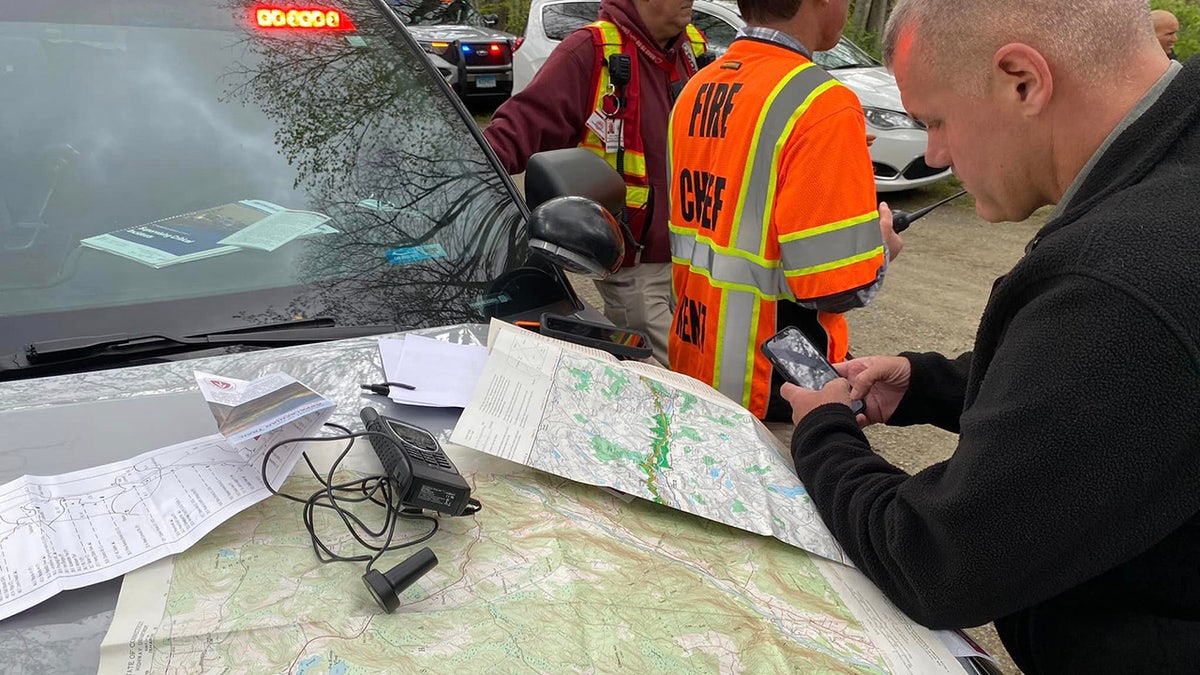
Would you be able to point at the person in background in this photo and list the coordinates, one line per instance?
(609, 87)
(1069, 512)
(773, 214)
(1166, 27)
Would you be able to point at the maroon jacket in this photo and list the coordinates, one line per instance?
(550, 113)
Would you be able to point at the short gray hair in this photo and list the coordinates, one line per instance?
(1087, 37)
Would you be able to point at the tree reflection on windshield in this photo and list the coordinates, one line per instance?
(378, 148)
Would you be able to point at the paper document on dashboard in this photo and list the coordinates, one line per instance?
(441, 374)
(583, 415)
(81, 528)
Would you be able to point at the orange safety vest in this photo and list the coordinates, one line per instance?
(772, 198)
(608, 39)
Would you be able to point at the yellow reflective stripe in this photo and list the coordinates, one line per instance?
(751, 329)
(597, 150)
(809, 248)
(769, 211)
(754, 143)
(699, 46)
(636, 196)
(844, 262)
(728, 285)
(738, 315)
(670, 161)
(832, 227)
(722, 317)
(609, 31)
(635, 162)
(723, 250)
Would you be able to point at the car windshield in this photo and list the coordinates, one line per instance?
(173, 166)
(438, 13)
(844, 55)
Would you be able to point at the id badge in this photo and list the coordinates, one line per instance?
(612, 139)
(598, 123)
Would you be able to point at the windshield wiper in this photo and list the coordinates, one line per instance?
(84, 353)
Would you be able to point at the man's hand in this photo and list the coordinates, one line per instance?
(870, 139)
(879, 382)
(894, 242)
(804, 401)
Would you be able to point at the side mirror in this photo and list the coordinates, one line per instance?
(578, 235)
(490, 19)
(573, 172)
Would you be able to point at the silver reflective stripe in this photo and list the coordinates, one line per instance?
(736, 330)
(835, 244)
(727, 270)
(760, 174)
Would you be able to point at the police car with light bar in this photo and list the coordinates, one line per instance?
(476, 59)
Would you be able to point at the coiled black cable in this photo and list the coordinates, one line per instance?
(381, 490)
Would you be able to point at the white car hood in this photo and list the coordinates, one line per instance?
(875, 86)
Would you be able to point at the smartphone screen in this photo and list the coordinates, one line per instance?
(802, 363)
(799, 361)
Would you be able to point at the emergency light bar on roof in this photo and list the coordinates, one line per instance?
(304, 19)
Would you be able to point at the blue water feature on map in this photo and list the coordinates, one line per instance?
(789, 492)
(716, 472)
(338, 668)
(303, 666)
(728, 483)
(226, 553)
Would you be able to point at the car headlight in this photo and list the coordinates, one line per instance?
(439, 48)
(890, 119)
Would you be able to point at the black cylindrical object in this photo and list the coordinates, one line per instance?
(902, 219)
(387, 587)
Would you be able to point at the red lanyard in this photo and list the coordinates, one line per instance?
(654, 55)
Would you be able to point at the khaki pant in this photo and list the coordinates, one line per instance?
(640, 298)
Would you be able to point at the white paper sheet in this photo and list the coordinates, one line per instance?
(276, 230)
(444, 374)
(80, 528)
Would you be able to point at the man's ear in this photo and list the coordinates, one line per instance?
(1022, 76)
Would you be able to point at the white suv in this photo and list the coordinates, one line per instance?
(899, 149)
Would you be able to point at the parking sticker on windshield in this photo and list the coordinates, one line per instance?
(412, 254)
(491, 300)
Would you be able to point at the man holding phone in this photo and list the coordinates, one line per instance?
(1069, 514)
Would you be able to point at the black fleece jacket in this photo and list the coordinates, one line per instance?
(1069, 514)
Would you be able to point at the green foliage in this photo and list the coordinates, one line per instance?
(511, 15)
(1188, 13)
(866, 39)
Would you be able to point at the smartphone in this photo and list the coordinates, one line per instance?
(620, 342)
(800, 362)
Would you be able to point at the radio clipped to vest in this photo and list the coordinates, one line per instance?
(620, 70)
(620, 74)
